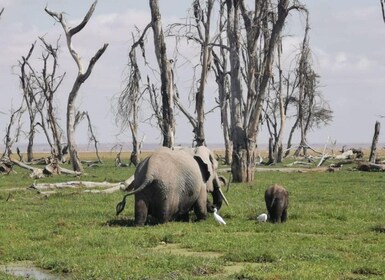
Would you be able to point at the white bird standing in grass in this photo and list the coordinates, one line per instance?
(218, 218)
(262, 217)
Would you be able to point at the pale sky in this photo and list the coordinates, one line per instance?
(347, 38)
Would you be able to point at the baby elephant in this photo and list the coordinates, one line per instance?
(277, 201)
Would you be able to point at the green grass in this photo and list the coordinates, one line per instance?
(335, 230)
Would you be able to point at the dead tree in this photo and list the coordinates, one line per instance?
(29, 96)
(38, 89)
(92, 138)
(222, 79)
(48, 82)
(197, 30)
(383, 9)
(306, 85)
(203, 21)
(263, 27)
(13, 130)
(82, 76)
(275, 112)
(1, 12)
(373, 149)
(167, 85)
(129, 99)
(311, 109)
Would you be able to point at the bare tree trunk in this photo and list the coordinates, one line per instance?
(244, 133)
(302, 80)
(166, 76)
(27, 85)
(80, 79)
(373, 150)
(278, 145)
(135, 154)
(200, 133)
(293, 128)
(71, 116)
(222, 81)
(239, 162)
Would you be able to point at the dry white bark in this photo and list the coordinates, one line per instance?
(109, 187)
(82, 76)
(345, 155)
(38, 173)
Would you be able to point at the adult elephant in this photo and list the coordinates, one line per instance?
(170, 183)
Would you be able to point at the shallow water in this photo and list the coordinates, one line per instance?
(29, 271)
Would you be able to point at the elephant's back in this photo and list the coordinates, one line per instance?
(173, 168)
(176, 173)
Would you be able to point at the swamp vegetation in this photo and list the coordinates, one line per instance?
(335, 230)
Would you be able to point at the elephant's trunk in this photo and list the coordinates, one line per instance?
(218, 196)
(223, 196)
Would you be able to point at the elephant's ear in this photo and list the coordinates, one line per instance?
(204, 168)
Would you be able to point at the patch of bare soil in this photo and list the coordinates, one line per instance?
(229, 269)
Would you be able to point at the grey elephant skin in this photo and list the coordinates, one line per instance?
(170, 183)
(277, 202)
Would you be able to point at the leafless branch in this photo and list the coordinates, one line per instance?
(383, 9)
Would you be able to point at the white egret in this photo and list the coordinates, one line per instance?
(218, 218)
(262, 217)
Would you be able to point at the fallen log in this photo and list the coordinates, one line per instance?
(74, 184)
(345, 155)
(368, 166)
(37, 173)
(50, 169)
(109, 187)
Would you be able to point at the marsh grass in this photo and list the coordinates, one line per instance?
(335, 230)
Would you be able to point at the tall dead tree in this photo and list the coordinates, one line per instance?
(263, 26)
(222, 79)
(238, 134)
(275, 112)
(167, 84)
(82, 76)
(312, 109)
(129, 99)
(29, 96)
(38, 88)
(306, 83)
(49, 81)
(197, 30)
(203, 21)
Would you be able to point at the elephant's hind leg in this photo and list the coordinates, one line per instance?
(284, 216)
(141, 211)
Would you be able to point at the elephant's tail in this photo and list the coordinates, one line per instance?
(121, 205)
(272, 203)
